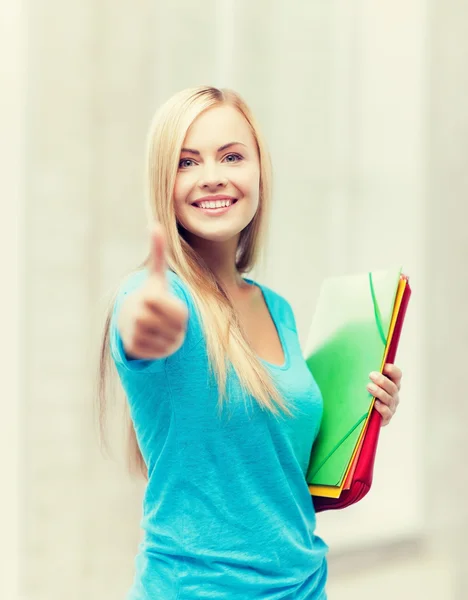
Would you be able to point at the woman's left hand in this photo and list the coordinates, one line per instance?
(385, 388)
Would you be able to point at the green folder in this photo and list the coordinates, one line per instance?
(346, 342)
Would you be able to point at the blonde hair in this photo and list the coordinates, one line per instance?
(225, 340)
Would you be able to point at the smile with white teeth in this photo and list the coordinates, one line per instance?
(214, 203)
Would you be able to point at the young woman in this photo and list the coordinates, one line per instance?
(223, 408)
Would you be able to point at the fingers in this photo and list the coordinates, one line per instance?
(383, 382)
(149, 347)
(380, 392)
(394, 373)
(157, 263)
(163, 318)
(153, 336)
(386, 413)
(385, 389)
(166, 310)
(384, 398)
(153, 321)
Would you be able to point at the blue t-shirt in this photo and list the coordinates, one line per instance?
(227, 513)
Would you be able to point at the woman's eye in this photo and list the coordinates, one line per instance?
(184, 163)
(233, 158)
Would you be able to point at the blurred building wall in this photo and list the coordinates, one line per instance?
(12, 127)
(95, 75)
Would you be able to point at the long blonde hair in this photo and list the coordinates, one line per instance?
(225, 341)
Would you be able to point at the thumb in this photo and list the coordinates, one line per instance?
(157, 263)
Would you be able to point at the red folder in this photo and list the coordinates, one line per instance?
(363, 473)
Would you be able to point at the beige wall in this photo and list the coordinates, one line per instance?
(372, 155)
(12, 127)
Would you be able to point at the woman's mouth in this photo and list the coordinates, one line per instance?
(215, 207)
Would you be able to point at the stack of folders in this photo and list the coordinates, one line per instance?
(355, 330)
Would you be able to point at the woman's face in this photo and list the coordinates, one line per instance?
(216, 192)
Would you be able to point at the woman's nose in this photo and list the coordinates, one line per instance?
(212, 178)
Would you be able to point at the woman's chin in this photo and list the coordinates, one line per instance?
(218, 232)
(218, 237)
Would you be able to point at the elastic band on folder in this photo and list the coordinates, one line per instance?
(347, 434)
(378, 316)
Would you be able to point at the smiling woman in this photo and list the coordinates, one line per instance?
(223, 408)
(218, 176)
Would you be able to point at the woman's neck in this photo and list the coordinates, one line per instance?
(221, 259)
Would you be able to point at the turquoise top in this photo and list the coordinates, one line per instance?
(227, 513)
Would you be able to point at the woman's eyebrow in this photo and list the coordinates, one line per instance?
(225, 147)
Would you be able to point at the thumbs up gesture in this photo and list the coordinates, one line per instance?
(152, 322)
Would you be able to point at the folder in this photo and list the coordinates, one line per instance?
(359, 479)
(355, 330)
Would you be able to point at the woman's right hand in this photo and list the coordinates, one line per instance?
(152, 321)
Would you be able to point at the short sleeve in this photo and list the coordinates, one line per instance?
(129, 285)
(286, 313)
